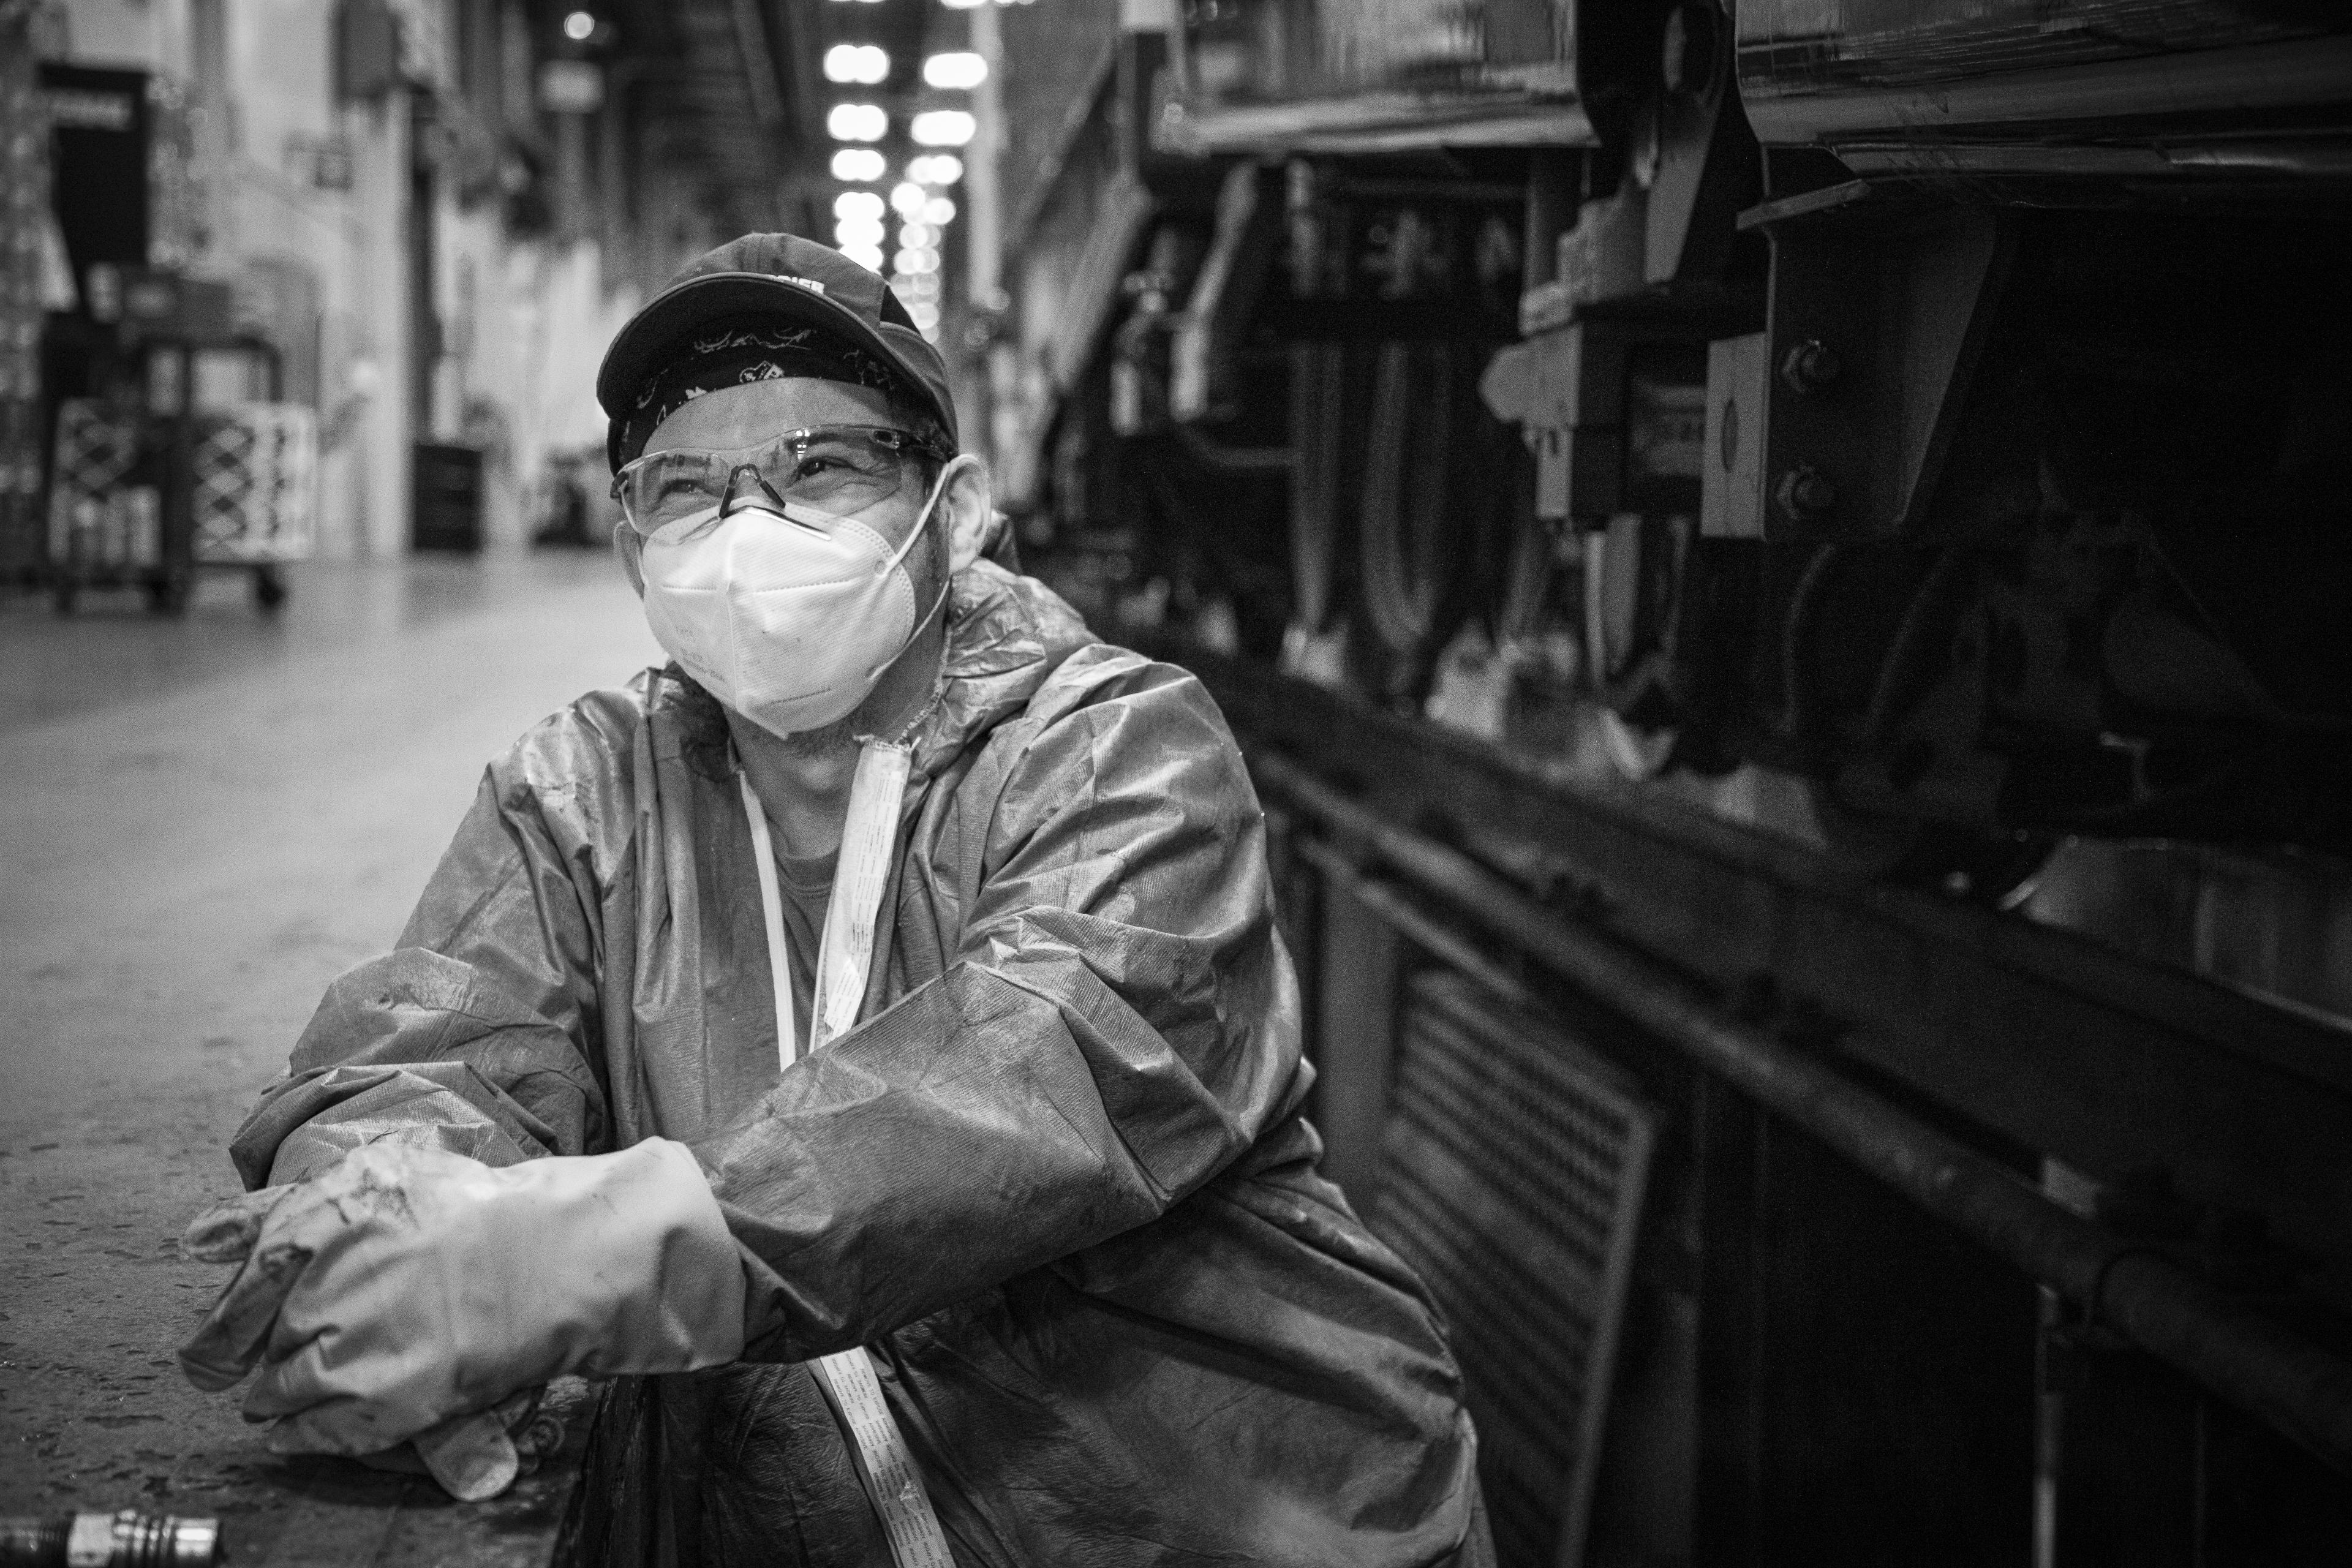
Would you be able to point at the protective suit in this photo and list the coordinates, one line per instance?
(1055, 1180)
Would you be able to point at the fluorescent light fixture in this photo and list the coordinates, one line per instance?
(858, 165)
(918, 237)
(916, 261)
(579, 27)
(867, 256)
(939, 212)
(858, 122)
(962, 4)
(863, 63)
(940, 128)
(934, 169)
(907, 198)
(956, 70)
(852, 231)
(857, 203)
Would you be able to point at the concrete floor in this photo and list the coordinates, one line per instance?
(202, 822)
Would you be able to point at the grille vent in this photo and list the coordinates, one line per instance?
(1513, 1163)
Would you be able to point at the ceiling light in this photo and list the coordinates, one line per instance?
(939, 212)
(956, 71)
(934, 169)
(856, 62)
(917, 235)
(858, 164)
(940, 128)
(857, 203)
(859, 122)
(867, 256)
(917, 262)
(908, 198)
(578, 26)
(852, 231)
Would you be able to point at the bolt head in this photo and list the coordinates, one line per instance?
(1804, 494)
(1810, 366)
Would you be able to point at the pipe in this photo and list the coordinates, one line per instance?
(2277, 1377)
(1417, 928)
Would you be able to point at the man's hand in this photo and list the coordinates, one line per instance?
(405, 1291)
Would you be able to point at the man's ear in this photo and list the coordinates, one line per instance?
(973, 522)
(625, 544)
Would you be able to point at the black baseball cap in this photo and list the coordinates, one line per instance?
(770, 275)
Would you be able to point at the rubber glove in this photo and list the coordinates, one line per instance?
(405, 1291)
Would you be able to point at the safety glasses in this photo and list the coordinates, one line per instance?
(839, 468)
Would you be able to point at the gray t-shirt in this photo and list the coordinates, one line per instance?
(807, 886)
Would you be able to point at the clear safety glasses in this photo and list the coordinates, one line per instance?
(839, 468)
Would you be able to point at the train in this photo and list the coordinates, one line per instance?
(1774, 488)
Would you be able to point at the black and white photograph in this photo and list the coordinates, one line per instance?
(1175, 784)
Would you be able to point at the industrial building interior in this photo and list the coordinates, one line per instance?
(1774, 566)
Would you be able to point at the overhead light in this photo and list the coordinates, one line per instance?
(860, 122)
(857, 203)
(955, 70)
(869, 256)
(909, 199)
(863, 63)
(917, 235)
(916, 261)
(939, 128)
(857, 164)
(850, 231)
(962, 4)
(578, 26)
(934, 169)
(939, 212)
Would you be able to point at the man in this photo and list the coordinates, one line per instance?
(867, 1037)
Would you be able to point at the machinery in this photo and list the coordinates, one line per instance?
(1912, 428)
(1931, 402)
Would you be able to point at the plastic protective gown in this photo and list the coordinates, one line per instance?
(1056, 1180)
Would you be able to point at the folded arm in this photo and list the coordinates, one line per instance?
(1117, 1026)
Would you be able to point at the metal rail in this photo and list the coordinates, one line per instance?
(2226, 1344)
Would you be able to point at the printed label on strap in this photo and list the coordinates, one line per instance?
(883, 1464)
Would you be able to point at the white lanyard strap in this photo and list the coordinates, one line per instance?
(772, 911)
(844, 957)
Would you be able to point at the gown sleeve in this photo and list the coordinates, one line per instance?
(472, 1034)
(1117, 1024)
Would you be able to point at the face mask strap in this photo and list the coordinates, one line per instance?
(939, 489)
(946, 586)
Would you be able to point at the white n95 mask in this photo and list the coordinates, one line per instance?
(787, 615)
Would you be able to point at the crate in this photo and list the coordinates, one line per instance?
(255, 485)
